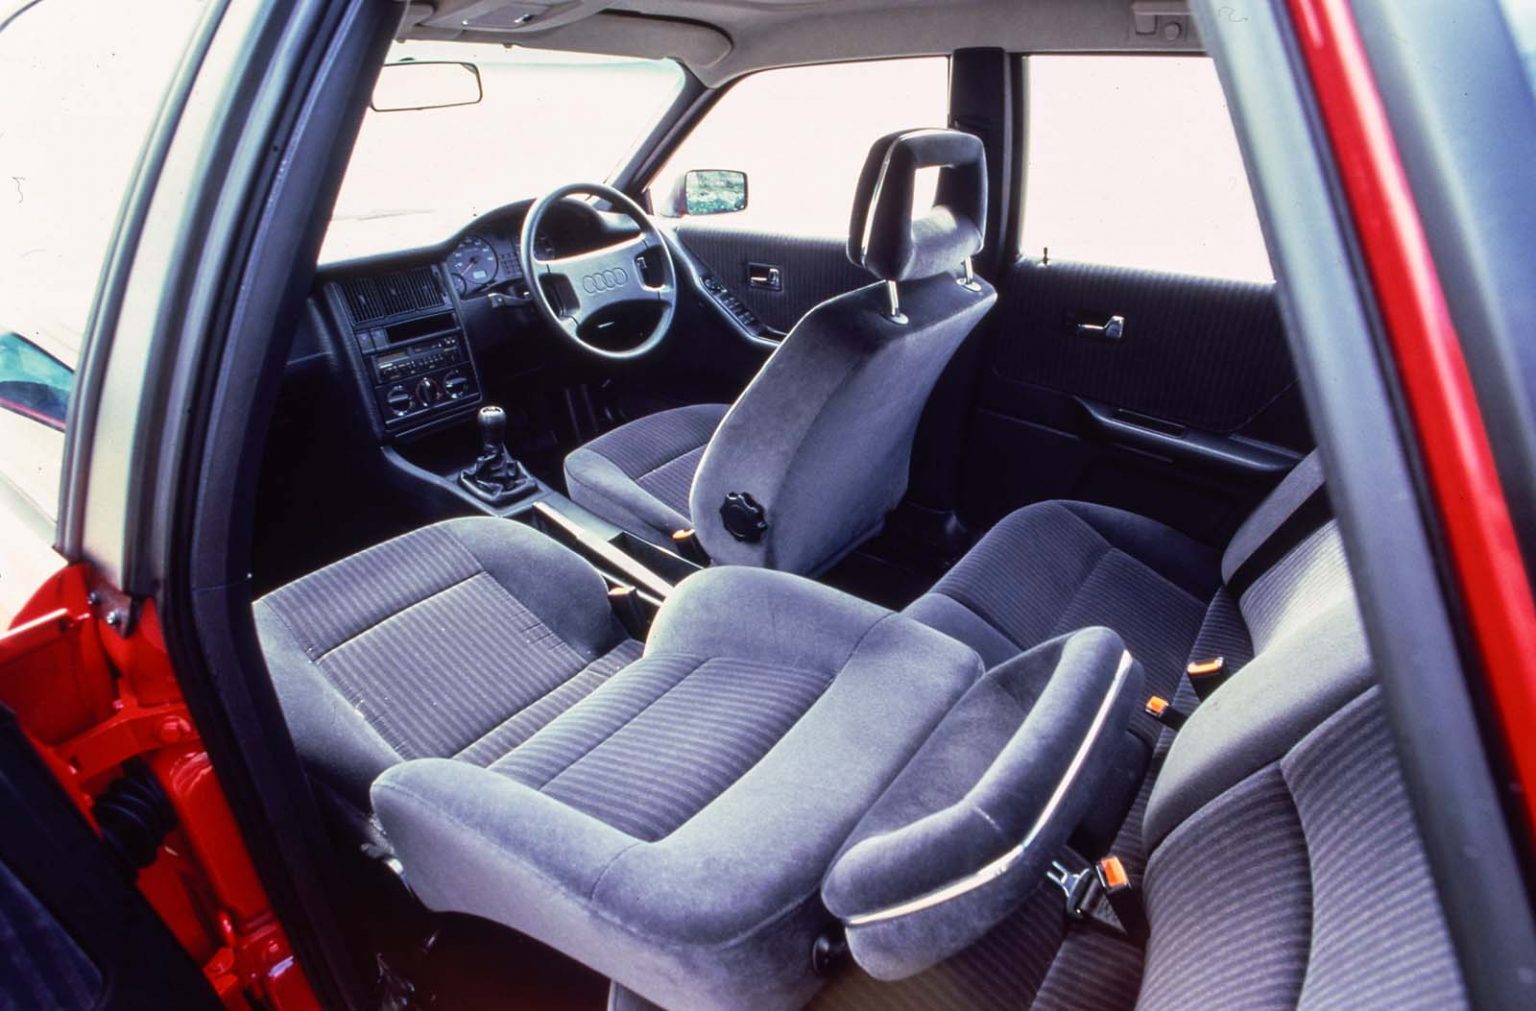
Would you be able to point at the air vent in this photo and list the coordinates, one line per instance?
(375, 298)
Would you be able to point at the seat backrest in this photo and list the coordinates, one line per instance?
(1285, 867)
(821, 438)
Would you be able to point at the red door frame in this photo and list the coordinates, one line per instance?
(88, 678)
(1436, 384)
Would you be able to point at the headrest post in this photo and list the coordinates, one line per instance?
(968, 280)
(895, 315)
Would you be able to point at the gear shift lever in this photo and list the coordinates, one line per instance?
(495, 477)
(493, 430)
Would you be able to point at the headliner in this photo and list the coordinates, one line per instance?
(721, 39)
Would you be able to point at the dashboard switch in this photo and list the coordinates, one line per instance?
(399, 400)
(428, 392)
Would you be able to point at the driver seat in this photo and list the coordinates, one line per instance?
(805, 465)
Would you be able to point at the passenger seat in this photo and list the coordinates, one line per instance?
(1271, 851)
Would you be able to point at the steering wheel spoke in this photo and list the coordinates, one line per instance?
(596, 281)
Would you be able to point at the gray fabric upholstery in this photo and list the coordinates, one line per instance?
(1003, 969)
(458, 639)
(648, 833)
(1262, 711)
(883, 236)
(1053, 567)
(1304, 479)
(986, 782)
(649, 754)
(1304, 885)
(1311, 578)
(1227, 898)
(638, 476)
(1375, 943)
(822, 436)
(1285, 865)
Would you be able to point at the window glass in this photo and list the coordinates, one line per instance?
(544, 119)
(81, 83)
(801, 135)
(1133, 162)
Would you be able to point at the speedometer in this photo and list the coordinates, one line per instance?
(472, 264)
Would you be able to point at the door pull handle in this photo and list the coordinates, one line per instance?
(1111, 329)
(765, 275)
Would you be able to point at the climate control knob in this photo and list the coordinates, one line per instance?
(429, 391)
(455, 384)
(399, 400)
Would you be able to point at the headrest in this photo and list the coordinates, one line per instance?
(885, 239)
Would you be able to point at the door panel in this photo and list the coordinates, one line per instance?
(809, 270)
(1190, 415)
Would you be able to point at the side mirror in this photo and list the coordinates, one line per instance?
(714, 191)
(410, 86)
(33, 383)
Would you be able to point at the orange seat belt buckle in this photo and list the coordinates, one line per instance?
(1205, 668)
(1161, 710)
(1205, 676)
(1113, 875)
(1123, 900)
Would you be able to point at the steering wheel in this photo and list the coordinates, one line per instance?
(589, 284)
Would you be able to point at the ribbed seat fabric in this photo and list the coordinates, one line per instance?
(820, 441)
(1262, 825)
(1050, 568)
(459, 640)
(673, 828)
(638, 476)
(648, 753)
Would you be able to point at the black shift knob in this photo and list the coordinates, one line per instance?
(493, 428)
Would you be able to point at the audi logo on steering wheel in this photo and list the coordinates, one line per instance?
(604, 280)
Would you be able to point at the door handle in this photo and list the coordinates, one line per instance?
(1111, 329)
(765, 275)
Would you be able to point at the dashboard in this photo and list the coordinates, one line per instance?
(488, 259)
(411, 325)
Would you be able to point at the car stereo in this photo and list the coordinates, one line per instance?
(415, 361)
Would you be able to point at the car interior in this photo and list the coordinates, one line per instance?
(676, 607)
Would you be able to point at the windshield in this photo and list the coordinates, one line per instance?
(546, 119)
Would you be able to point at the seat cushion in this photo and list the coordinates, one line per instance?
(638, 476)
(672, 829)
(458, 640)
(1052, 567)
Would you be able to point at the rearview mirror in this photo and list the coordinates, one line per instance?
(411, 86)
(714, 191)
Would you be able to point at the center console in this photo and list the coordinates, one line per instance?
(445, 449)
(407, 345)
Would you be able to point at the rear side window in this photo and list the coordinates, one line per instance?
(1133, 162)
(801, 135)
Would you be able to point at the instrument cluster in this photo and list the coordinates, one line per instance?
(487, 260)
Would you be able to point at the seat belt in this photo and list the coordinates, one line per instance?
(1103, 896)
(1296, 509)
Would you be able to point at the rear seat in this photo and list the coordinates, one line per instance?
(1270, 837)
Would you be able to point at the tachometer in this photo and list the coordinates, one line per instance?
(473, 265)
